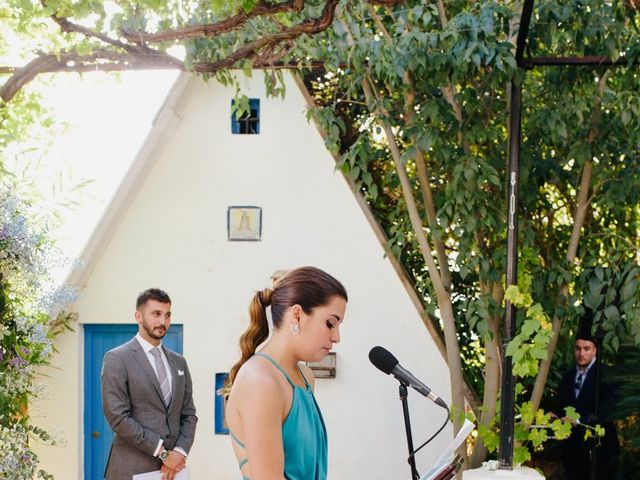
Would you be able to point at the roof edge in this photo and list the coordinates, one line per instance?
(163, 125)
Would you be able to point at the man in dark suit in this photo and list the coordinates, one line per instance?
(584, 387)
(147, 397)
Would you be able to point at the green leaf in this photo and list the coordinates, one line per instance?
(247, 5)
(629, 289)
(538, 436)
(612, 314)
(561, 430)
(571, 414)
(527, 413)
(464, 271)
(521, 454)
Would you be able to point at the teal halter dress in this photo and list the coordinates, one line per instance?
(304, 436)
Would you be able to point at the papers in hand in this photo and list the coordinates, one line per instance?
(157, 475)
(448, 459)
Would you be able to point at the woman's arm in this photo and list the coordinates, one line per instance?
(261, 406)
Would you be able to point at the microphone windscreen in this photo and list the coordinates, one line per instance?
(383, 359)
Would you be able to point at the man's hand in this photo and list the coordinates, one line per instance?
(167, 473)
(172, 465)
(571, 420)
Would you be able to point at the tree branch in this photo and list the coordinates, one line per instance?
(214, 29)
(448, 91)
(442, 14)
(378, 22)
(229, 24)
(264, 51)
(251, 49)
(492, 371)
(68, 26)
(442, 294)
(425, 188)
(24, 75)
(421, 166)
(141, 57)
(98, 60)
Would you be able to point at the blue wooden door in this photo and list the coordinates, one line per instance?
(98, 340)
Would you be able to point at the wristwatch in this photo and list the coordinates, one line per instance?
(164, 454)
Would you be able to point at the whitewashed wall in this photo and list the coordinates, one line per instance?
(173, 235)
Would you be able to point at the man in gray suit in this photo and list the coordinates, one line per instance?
(147, 397)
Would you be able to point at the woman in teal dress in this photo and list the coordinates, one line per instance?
(276, 427)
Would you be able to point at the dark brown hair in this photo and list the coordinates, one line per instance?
(308, 287)
(152, 294)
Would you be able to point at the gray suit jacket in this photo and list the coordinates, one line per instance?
(133, 405)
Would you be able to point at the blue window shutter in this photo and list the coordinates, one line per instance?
(235, 126)
(220, 428)
(254, 105)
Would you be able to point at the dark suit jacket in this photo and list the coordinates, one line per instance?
(575, 447)
(133, 406)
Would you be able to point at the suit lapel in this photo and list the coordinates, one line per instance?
(172, 367)
(177, 376)
(143, 361)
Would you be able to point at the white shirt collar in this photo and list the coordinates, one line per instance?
(146, 346)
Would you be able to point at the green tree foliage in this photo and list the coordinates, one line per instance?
(414, 101)
(627, 408)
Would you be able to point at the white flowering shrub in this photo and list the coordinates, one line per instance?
(17, 460)
(30, 317)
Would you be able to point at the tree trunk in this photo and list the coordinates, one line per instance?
(492, 373)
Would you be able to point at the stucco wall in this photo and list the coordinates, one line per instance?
(174, 236)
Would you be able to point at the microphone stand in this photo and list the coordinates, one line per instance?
(407, 426)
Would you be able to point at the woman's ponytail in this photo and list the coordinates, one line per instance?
(254, 335)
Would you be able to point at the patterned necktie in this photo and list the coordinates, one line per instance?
(578, 384)
(162, 376)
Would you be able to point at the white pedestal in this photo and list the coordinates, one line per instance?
(518, 473)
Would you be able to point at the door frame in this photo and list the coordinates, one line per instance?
(93, 338)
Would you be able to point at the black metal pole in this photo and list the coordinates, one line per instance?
(507, 393)
(407, 427)
(507, 390)
(523, 31)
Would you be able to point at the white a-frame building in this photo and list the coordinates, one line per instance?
(210, 210)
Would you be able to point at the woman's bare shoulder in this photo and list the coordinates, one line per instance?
(255, 377)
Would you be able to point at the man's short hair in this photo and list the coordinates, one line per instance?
(152, 294)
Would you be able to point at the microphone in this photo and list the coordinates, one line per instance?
(384, 360)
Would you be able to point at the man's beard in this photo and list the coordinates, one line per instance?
(151, 333)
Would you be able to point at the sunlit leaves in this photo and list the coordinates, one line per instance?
(533, 428)
(529, 346)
